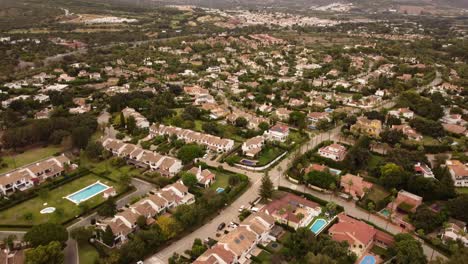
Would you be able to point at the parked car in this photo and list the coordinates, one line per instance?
(221, 226)
(254, 209)
(241, 208)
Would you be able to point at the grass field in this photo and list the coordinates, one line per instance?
(222, 180)
(65, 209)
(377, 193)
(264, 257)
(112, 172)
(462, 190)
(268, 154)
(29, 156)
(87, 253)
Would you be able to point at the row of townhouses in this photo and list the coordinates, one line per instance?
(166, 166)
(35, 173)
(213, 143)
(236, 246)
(141, 121)
(156, 203)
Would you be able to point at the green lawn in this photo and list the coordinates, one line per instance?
(87, 254)
(112, 172)
(30, 156)
(268, 154)
(222, 180)
(462, 190)
(198, 125)
(377, 193)
(374, 161)
(65, 209)
(264, 257)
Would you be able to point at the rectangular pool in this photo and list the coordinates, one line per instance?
(87, 192)
(318, 226)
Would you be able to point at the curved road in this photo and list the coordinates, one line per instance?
(276, 174)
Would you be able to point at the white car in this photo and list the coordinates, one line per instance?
(241, 208)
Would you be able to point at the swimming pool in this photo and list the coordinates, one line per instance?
(368, 259)
(318, 225)
(385, 212)
(87, 192)
(219, 190)
(248, 162)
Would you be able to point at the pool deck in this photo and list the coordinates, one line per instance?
(89, 197)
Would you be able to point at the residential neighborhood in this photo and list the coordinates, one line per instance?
(233, 132)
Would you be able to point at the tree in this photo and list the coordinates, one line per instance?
(82, 234)
(408, 250)
(311, 258)
(392, 176)
(298, 119)
(132, 251)
(190, 152)
(94, 150)
(108, 236)
(131, 125)
(9, 241)
(80, 137)
(359, 154)
(392, 136)
(43, 234)
(141, 222)
(45, 254)
(297, 244)
(457, 207)
(266, 189)
(371, 208)
(241, 122)
(330, 207)
(122, 121)
(189, 179)
(197, 249)
(169, 226)
(263, 126)
(108, 208)
(321, 179)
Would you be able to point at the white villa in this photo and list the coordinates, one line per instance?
(35, 173)
(124, 223)
(212, 142)
(165, 165)
(253, 146)
(277, 132)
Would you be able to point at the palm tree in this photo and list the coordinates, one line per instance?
(435, 242)
(332, 188)
(389, 217)
(420, 233)
(279, 169)
(370, 207)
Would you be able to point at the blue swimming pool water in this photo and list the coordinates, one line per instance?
(248, 162)
(368, 260)
(385, 212)
(87, 192)
(318, 225)
(219, 190)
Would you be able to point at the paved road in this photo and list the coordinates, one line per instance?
(230, 213)
(276, 174)
(391, 103)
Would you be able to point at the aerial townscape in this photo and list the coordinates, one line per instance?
(233, 131)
